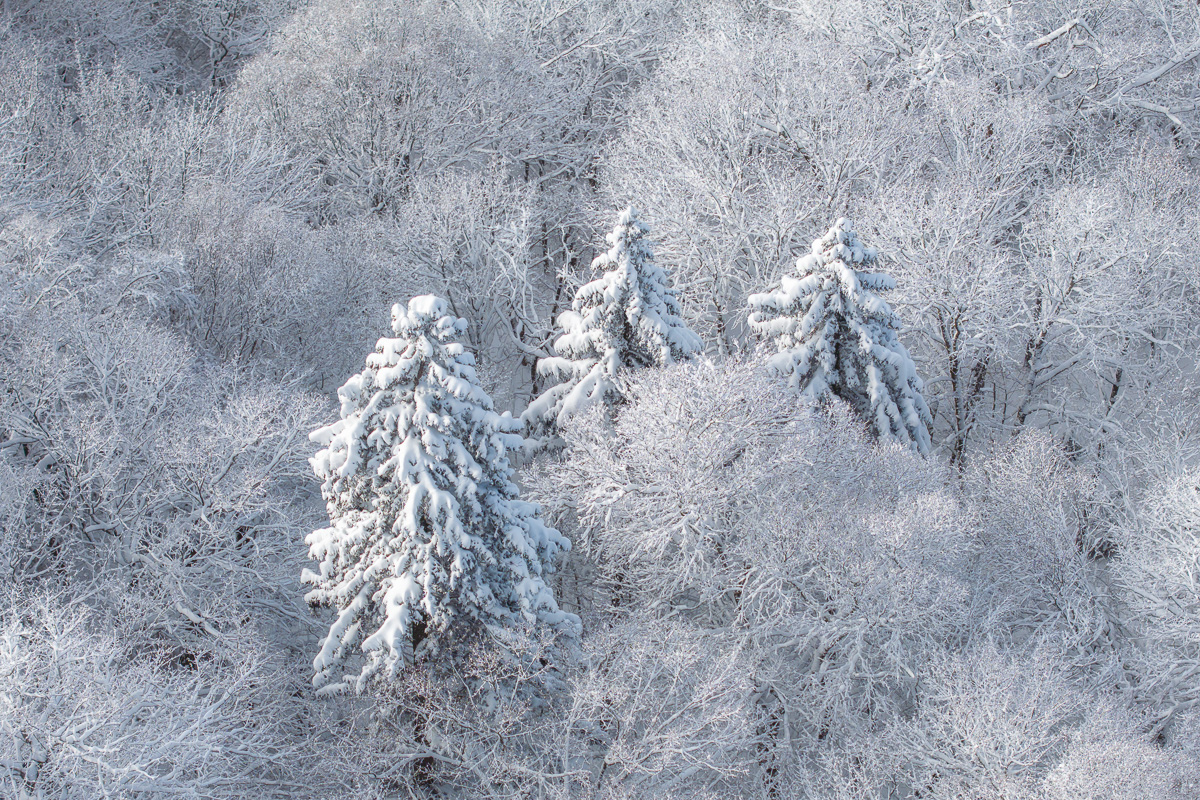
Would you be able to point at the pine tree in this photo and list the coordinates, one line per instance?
(429, 539)
(836, 335)
(627, 318)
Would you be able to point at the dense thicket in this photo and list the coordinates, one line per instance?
(208, 207)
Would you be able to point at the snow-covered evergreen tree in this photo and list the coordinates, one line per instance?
(627, 318)
(429, 539)
(836, 335)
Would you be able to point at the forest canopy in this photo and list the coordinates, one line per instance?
(582, 399)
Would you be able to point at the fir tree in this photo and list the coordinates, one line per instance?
(429, 539)
(626, 319)
(836, 335)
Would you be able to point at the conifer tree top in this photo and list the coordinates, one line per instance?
(842, 243)
(426, 312)
(840, 246)
(626, 237)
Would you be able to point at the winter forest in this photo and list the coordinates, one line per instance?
(600, 399)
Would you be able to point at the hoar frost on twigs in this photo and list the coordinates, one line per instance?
(428, 533)
(627, 318)
(1155, 572)
(992, 723)
(84, 712)
(836, 335)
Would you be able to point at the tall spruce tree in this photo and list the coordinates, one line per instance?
(626, 319)
(429, 540)
(836, 335)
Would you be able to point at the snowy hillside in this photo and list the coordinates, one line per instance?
(600, 399)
